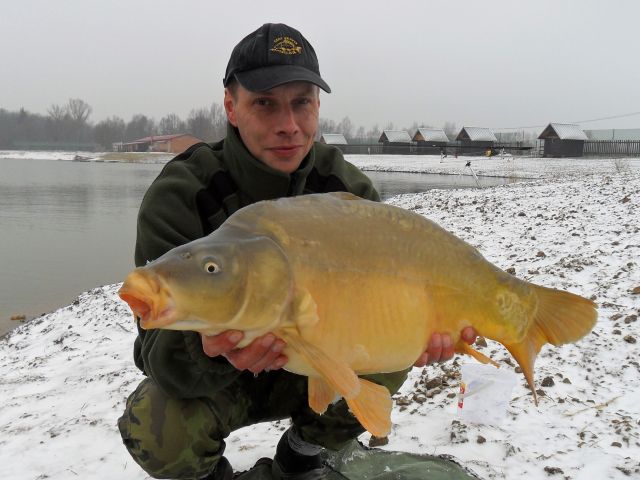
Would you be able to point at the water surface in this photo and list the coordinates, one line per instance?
(67, 227)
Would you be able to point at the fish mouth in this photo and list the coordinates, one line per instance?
(149, 300)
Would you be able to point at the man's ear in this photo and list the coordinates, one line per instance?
(229, 107)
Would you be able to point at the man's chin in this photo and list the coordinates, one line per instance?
(283, 164)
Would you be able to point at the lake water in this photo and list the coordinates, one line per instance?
(67, 227)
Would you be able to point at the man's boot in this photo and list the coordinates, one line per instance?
(223, 471)
(296, 459)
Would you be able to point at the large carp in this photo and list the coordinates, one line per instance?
(353, 287)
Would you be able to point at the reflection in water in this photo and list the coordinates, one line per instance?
(66, 227)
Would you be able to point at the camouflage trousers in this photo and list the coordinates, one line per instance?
(184, 438)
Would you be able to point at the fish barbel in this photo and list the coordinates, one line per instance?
(353, 287)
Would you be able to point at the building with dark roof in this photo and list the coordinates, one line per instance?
(563, 140)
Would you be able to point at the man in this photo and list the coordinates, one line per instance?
(198, 389)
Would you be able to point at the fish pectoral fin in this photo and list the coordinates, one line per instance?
(372, 407)
(464, 347)
(320, 395)
(340, 376)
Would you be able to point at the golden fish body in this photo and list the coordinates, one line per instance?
(353, 287)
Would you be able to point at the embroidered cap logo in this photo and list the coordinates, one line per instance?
(286, 46)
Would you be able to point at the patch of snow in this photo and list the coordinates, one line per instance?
(64, 377)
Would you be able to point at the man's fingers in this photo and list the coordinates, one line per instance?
(434, 349)
(225, 342)
(264, 353)
(422, 360)
(469, 335)
(448, 348)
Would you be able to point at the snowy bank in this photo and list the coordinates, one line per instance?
(64, 377)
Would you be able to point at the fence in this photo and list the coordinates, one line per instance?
(450, 149)
(622, 148)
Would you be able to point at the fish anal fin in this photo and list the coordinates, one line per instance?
(464, 347)
(340, 377)
(372, 407)
(320, 395)
(525, 353)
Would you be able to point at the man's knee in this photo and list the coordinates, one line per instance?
(170, 438)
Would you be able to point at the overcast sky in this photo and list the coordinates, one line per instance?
(490, 63)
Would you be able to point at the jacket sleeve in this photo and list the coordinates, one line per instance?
(175, 360)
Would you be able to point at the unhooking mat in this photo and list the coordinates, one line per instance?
(357, 462)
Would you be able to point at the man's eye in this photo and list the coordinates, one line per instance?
(263, 102)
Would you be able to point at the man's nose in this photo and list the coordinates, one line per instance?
(287, 121)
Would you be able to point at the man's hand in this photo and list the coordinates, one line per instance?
(264, 353)
(441, 347)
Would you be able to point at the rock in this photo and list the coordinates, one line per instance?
(378, 441)
(511, 270)
(616, 444)
(630, 319)
(553, 470)
(433, 383)
(548, 382)
(541, 254)
(481, 439)
(629, 339)
(635, 291)
(481, 342)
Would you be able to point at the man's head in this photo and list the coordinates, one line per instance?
(272, 95)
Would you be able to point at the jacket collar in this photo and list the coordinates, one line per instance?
(258, 181)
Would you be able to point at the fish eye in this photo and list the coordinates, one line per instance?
(211, 267)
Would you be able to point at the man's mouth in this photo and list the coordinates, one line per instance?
(285, 150)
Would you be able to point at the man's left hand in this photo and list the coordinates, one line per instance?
(441, 347)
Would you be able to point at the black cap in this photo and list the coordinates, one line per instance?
(273, 55)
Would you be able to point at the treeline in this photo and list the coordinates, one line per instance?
(69, 127)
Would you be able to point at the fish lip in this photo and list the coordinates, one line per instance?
(162, 316)
(149, 302)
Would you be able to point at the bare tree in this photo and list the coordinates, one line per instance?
(218, 121)
(345, 127)
(138, 127)
(450, 129)
(200, 124)
(79, 110)
(109, 131)
(57, 113)
(171, 124)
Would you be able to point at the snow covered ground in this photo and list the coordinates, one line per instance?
(574, 225)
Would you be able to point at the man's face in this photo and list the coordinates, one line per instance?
(277, 126)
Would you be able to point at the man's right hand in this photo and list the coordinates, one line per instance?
(263, 354)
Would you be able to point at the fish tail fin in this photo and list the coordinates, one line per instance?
(372, 407)
(561, 317)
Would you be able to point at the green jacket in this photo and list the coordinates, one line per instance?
(192, 196)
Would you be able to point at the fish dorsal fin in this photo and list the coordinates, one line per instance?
(340, 377)
(372, 407)
(320, 395)
(345, 196)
